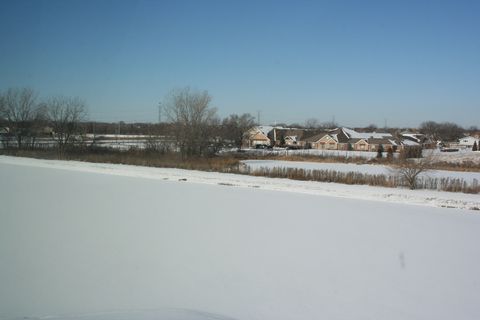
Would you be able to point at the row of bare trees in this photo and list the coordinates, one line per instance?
(193, 122)
(443, 131)
(26, 116)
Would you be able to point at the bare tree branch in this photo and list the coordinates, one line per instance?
(193, 120)
(235, 126)
(65, 115)
(20, 109)
(410, 169)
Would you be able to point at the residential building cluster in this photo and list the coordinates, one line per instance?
(335, 139)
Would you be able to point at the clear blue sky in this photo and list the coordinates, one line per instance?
(360, 61)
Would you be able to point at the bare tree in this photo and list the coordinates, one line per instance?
(445, 131)
(410, 169)
(328, 125)
(312, 123)
(234, 127)
(430, 128)
(65, 115)
(20, 109)
(194, 121)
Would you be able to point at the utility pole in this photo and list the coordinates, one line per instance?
(159, 112)
(94, 131)
(258, 117)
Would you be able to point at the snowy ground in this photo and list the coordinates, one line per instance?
(312, 152)
(418, 197)
(105, 242)
(111, 141)
(469, 177)
(464, 155)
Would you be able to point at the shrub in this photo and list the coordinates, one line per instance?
(411, 152)
(380, 151)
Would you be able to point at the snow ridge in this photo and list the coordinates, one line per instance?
(226, 180)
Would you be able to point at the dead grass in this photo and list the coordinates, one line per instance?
(357, 178)
(133, 157)
(231, 164)
(465, 166)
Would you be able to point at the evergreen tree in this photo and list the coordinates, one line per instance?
(380, 151)
(475, 146)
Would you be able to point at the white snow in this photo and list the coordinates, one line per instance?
(119, 136)
(341, 167)
(468, 177)
(314, 152)
(98, 241)
(407, 142)
(365, 135)
(265, 129)
(416, 136)
(419, 197)
(460, 156)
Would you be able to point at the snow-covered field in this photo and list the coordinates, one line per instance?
(464, 155)
(111, 141)
(419, 197)
(314, 152)
(99, 241)
(469, 177)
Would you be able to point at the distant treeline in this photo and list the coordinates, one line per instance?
(190, 121)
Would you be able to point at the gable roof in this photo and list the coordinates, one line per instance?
(299, 134)
(258, 136)
(293, 138)
(416, 137)
(357, 140)
(316, 137)
(352, 134)
(339, 135)
(409, 143)
(381, 141)
(265, 129)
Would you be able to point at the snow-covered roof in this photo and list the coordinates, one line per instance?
(415, 136)
(265, 129)
(393, 142)
(352, 134)
(410, 143)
